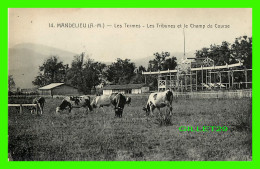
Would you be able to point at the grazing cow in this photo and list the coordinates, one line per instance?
(74, 102)
(159, 100)
(100, 101)
(103, 100)
(64, 105)
(118, 100)
(40, 101)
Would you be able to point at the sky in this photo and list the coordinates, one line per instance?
(110, 42)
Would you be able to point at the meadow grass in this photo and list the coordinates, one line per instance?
(98, 135)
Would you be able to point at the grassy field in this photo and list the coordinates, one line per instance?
(99, 136)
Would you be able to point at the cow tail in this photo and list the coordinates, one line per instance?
(118, 101)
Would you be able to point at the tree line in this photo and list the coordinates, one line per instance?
(86, 74)
(227, 53)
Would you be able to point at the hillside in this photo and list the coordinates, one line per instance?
(24, 61)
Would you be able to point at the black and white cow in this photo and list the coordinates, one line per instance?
(118, 100)
(74, 102)
(159, 100)
(40, 101)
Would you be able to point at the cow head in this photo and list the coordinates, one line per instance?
(64, 104)
(119, 111)
(128, 100)
(147, 109)
(58, 109)
(169, 96)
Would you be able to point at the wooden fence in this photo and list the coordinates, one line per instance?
(235, 94)
(24, 105)
(188, 95)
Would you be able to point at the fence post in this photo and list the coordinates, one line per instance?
(21, 109)
(36, 108)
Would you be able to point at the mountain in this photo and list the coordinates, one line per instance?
(24, 61)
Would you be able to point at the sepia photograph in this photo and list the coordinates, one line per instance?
(129, 84)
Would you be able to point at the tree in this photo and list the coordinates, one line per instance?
(162, 61)
(220, 54)
(138, 78)
(11, 83)
(226, 53)
(85, 75)
(242, 50)
(170, 63)
(121, 71)
(93, 74)
(75, 73)
(52, 71)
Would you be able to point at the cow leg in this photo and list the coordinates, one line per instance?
(121, 114)
(32, 110)
(37, 108)
(161, 115)
(40, 106)
(170, 110)
(88, 110)
(116, 114)
(152, 107)
(70, 108)
(103, 110)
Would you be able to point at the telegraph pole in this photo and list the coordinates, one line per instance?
(184, 44)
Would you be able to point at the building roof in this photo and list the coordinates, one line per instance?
(51, 86)
(127, 86)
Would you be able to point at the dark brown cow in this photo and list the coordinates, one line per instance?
(119, 102)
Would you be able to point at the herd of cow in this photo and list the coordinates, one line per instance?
(117, 100)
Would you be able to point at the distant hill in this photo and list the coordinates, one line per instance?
(25, 59)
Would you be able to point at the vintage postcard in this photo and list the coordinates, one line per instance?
(130, 84)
